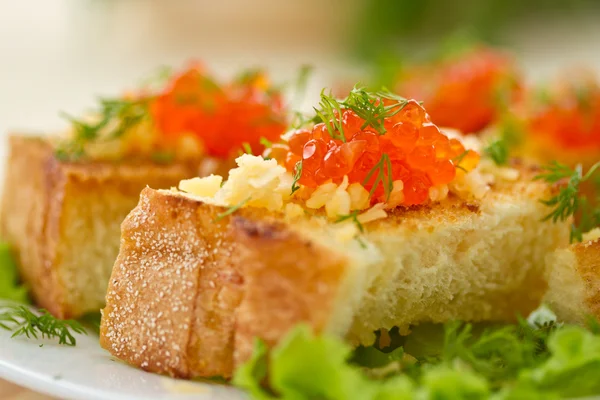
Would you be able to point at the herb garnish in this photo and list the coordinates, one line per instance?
(330, 113)
(532, 359)
(232, 209)
(370, 106)
(386, 179)
(297, 176)
(569, 201)
(247, 148)
(23, 322)
(498, 151)
(115, 117)
(265, 142)
(354, 217)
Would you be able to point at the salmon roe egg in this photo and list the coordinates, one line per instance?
(408, 148)
(467, 92)
(568, 117)
(223, 117)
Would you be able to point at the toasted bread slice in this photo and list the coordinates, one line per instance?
(192, 288)
(574, 281)
(63, 220)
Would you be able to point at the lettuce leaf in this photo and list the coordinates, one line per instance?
(10, 289)
(533, 359)
(305, 366)
(573, 369)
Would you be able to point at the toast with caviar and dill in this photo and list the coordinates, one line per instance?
(189, 291)
(65, 197)
(205, 270)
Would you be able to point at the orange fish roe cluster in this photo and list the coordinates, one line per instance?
(223, 117)
(375, 142)
(466, 93)
(568, 116)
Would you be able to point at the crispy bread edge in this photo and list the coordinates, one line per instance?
(221, 284)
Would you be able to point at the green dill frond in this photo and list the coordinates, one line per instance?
(247, 148)
(330, 113)
(353, 216)
(370, 106)
(23, 322)
(381, 176)
(569, 201)
(498, 151)
(232, 209)
(297, 176)
(114, 118)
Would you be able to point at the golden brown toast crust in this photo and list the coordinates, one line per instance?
(588, 267)
(60, 216)
(193, 327)
(226, 281)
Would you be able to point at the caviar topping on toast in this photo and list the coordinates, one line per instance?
(189, 115)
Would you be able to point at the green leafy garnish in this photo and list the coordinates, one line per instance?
(10, 289)
(381, 176)
(265, 142)
(569, 201)
(247, 148)
(297, 176)
(353, 216)
(498, 151)
(538, 359)
(22, 322)
(370, 106)
(330, 113)
(232, 209)
(115, 117)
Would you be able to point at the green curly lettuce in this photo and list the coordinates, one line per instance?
(533, 359)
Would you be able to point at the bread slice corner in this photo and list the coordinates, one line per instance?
(63, 220)
(574, 281)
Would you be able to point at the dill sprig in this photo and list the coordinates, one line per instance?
(381, 176)
(232, 209)
(498, 151)
(353, 216)
(126, 113)
(569, 201)
(330, 113)
(297, 176)
(371, 107)
(22, 322)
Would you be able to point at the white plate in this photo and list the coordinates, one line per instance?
(87, 372)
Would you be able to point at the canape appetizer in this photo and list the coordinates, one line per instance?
(65, 197)
(366, 218)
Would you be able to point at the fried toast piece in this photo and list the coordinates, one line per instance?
(192, 287)
(574, 280)
(63, 220)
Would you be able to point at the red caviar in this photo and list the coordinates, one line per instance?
(419, 153)
(568, 117)
(223, 117)
(465, 93)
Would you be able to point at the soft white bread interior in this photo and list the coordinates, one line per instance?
(574, 280)
(190, 291)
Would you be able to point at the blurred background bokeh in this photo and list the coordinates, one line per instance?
(59, 54)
